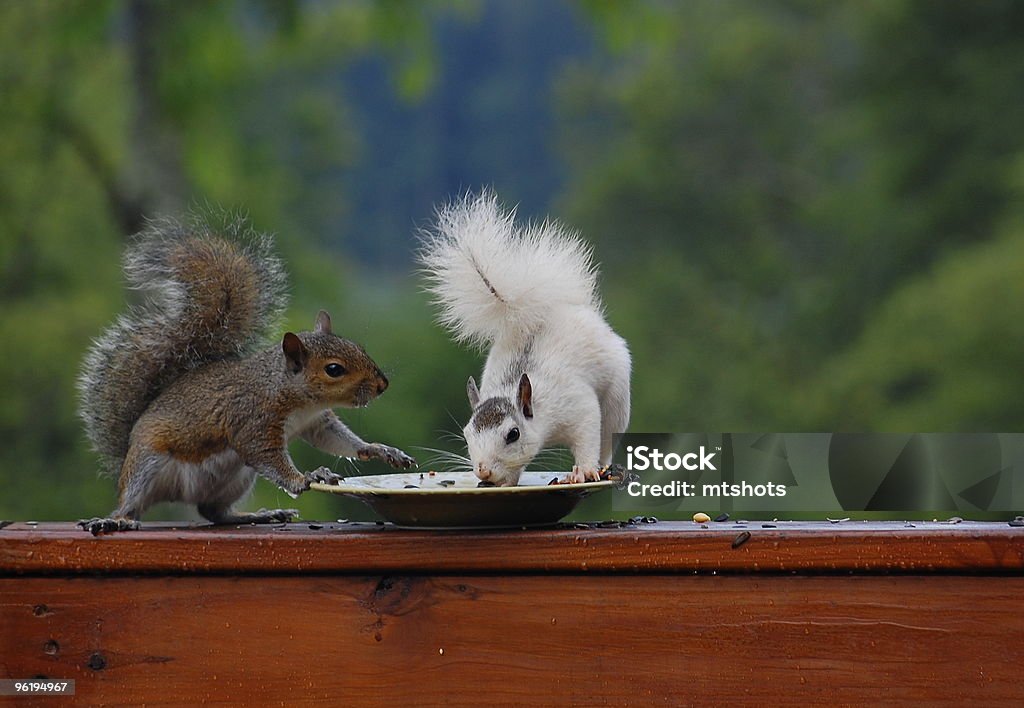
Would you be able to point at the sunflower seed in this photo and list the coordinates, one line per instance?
(741, 539)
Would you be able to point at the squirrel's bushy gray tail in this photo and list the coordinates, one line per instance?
(213, 287)
(492, 277)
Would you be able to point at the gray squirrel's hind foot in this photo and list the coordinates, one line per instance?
(263, 516)
(98, 525)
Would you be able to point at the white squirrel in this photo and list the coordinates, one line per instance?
(556, 373)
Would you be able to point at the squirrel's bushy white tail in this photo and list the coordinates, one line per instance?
(491, 277)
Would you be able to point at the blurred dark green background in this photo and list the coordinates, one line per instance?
(809, 214)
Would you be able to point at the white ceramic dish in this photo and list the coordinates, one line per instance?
(454, 500)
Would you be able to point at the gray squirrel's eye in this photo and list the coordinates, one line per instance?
(512, 436)
(334, 370)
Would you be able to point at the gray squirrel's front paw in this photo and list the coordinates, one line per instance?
(323, 475)
(392, 455)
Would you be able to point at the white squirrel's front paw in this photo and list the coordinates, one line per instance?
(584, 474)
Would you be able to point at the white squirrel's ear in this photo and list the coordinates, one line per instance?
(295, 353)
(323, 322)
(526, 396)
(473, 393)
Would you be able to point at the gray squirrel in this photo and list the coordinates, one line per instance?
(555, 373)
(181, 403)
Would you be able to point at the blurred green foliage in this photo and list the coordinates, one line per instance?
(808, 214)
(814, 210)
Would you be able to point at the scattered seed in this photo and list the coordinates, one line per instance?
(316, 527)
(553, 481)
(432, 473)
(447, 483)
(722, 517)
(768, 526)
(485, 483)
(411, 486)
(342, 521)
(610, 524)
(581, 525)
(741, 539)
(4, 523)
(1017, 521)
(837, 521)
(379, 523)
(701, 518)
(954, 520)
(613, 472)
(644, 520)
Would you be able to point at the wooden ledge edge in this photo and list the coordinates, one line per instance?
(663, 548)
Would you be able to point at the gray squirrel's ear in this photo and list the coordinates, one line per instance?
(526, 396)
(295, 353)
(323, 322)
(473, 393)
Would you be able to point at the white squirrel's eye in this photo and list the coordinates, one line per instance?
(512, 436)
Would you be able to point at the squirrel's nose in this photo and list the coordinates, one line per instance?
(382, 382)
(482, 473)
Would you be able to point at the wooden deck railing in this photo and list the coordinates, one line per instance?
(670, 613)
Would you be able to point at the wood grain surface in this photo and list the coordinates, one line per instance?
(658, 614)
(520, 641)
(860, 547)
